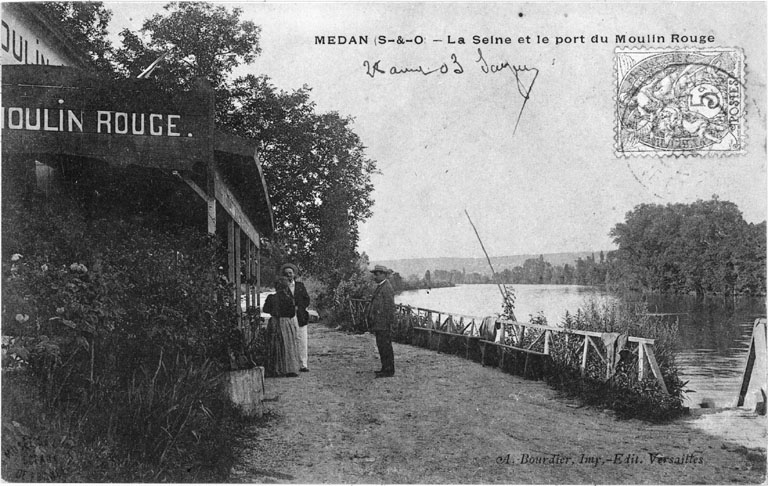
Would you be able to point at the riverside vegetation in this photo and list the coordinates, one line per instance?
(623, 392)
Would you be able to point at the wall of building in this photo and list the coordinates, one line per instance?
(26, 39)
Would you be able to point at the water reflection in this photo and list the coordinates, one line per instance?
(714, 333)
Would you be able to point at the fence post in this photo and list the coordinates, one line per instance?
(352, 314)
(584, 356)
(655, 368)
(641, 361)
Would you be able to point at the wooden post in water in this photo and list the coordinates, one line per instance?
(757, 346)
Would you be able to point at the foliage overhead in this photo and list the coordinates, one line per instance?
(86, 23)
(198, 40)
(316, 168)
(318, 175)
(315, 165)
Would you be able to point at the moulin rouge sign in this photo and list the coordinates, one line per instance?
(58, 110)
(103, 122)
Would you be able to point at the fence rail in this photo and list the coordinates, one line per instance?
(599, 352)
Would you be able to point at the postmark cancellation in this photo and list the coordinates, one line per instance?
(679, 102)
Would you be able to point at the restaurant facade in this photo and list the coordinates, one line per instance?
(60, 117)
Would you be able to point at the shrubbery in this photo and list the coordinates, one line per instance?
(357, 286)
(124, 327)
(623, 392)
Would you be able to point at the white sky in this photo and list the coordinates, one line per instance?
(444, 142)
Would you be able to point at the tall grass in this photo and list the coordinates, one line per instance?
(624, 391)
(101, 441)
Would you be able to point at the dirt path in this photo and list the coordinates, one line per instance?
(443, 419)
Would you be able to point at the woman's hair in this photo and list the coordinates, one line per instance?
(281, 283)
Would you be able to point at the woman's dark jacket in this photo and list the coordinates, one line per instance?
(279, 304)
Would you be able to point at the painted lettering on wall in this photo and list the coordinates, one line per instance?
(23, 41)
(100, 121)
(16, 43)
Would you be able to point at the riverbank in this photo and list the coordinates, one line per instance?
(714, 339)
(443, 419)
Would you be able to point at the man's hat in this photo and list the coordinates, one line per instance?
(381, 268)
(291, 266)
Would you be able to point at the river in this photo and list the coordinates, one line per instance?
(714, 336)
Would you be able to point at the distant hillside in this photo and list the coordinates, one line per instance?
(418, 266)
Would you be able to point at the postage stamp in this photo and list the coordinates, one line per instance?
(679, 102)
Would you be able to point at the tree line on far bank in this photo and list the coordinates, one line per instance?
(702, 248)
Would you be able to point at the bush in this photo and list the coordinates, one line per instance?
(125, 325)
(623, 392)
(357, 286)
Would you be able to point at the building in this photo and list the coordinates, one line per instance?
(61, 120)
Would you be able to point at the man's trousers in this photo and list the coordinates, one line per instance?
(301, 336)
(387, 355)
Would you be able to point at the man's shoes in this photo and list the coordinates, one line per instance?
(291, 375)
(385, 373)
(304, 369)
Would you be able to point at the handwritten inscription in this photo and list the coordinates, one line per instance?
(524, 76)
(372, 69)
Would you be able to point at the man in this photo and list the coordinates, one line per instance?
(301, 299)
(381, 317)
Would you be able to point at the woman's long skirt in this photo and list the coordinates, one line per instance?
(283, 346)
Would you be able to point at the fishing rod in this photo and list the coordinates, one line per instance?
(504, 295)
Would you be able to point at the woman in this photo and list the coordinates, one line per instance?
(283, 349)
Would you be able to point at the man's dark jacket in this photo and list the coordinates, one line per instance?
(381, 310)
(301, 297)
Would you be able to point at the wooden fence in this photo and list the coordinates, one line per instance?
(495, 340)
